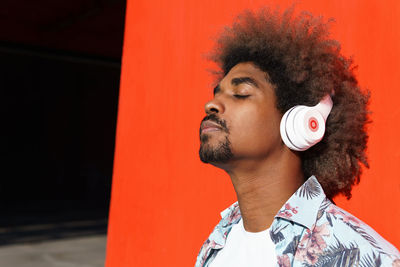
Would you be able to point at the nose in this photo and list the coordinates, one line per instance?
(214, 106)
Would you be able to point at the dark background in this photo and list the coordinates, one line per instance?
(59, 77)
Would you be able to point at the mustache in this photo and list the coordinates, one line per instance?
(213, 117)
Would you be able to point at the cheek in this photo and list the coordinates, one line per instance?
(256, 130)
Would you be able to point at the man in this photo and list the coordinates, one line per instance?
(284, 216)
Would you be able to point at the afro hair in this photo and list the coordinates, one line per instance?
(304, 65)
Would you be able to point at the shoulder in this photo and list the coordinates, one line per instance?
(340, 231)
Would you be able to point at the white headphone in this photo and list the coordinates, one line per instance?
(303, 126)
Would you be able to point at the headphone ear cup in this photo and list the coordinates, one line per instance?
(283, 130)
(302, 127)
(287, 128)
(311, 126)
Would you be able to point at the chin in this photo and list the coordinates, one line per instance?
(217, 152)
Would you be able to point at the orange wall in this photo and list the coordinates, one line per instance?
(164, 201)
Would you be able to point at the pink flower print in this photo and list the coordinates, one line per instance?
(284, 261)
(284, 214)
(206, 248)
(287, 211)
(312, 244)
(396, 263)
(345, 217)
(333, 210)
(351, 219)
(235, 215)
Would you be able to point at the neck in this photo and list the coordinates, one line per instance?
(263, 186)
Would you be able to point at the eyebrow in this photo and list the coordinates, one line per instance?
(217, 89)
(238, 81)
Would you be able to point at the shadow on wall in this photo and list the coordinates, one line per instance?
(59, 78)
(60, 129)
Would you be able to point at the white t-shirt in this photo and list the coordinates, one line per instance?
(244, 248)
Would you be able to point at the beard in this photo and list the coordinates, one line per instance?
(220, 153)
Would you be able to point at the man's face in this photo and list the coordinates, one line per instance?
(242, 121)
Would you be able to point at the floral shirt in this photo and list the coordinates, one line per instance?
(310, 230)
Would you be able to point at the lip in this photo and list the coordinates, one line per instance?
(209, 126)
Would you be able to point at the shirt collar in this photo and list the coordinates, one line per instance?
(301, 208)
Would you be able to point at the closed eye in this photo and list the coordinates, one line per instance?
(241, 96)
